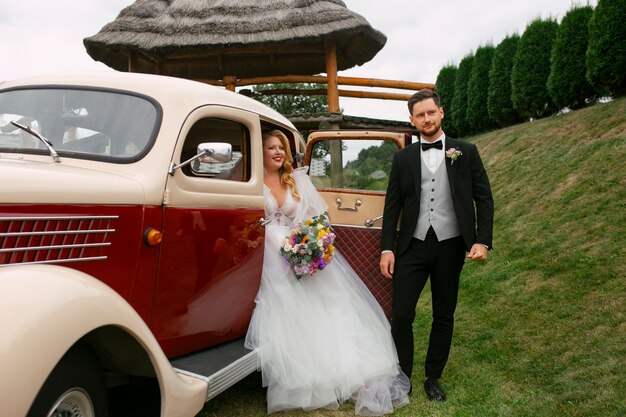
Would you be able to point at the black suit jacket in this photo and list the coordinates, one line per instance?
(471, 195)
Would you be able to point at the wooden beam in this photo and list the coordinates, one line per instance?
(321, 79)
(376, 82)
(374, 94)
(342, 93)
(292, 92)
(148, 58)
(313, 79)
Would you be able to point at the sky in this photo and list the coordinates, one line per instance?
(41, 36)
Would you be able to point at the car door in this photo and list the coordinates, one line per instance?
(212, 250)
(350, 170)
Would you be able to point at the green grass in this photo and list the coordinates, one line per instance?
(541, 326)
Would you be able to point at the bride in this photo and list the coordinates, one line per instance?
(322, 339)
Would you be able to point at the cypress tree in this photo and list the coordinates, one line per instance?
(567, 83)
(606, 52)
(445, 88)
(531, 68)
(458, 110)
(477, 89)
(499, 101)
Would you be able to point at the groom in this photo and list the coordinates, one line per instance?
(439, 190)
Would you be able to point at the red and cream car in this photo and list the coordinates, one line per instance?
(131, 239)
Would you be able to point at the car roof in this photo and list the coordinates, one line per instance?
(162, 88)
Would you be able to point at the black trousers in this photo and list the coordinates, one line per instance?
(442, 262)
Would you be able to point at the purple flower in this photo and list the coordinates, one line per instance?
(300, 269)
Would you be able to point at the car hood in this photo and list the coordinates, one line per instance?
(29, 182)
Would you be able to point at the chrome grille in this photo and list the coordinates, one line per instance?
(54, 239)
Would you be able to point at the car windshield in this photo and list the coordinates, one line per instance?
(78, 123)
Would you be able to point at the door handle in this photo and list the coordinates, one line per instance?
(357, 204)
(370, 222)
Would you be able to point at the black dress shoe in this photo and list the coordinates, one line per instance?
(433, 390)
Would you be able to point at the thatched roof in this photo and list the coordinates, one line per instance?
(209, 39)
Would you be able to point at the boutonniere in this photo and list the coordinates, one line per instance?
(453, 154)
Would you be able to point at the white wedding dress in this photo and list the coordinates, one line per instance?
(322, 339)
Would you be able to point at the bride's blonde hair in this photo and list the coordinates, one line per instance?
(285, 171)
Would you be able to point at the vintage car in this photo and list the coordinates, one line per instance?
(131, 238)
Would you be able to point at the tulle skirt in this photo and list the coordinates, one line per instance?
(322, 339)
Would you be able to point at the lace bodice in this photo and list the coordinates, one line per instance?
(280, 216)
(294, 211)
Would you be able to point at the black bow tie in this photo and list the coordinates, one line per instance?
(437, 145)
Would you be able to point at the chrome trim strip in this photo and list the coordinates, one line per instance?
(56, 232)
(58, 261)
(220, 382)
(27, 218)
(79, 246)
(354, 226)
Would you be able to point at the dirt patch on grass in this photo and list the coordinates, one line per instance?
(566, 185)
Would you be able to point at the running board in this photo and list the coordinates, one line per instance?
(220, 367)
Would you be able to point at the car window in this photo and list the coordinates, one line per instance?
(78, 123)
(352, 164)
(218, 131)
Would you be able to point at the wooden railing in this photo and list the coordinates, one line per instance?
(232, 82)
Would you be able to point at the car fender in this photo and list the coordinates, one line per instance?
(46, 309)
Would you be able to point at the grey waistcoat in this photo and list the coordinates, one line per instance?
(436, 208)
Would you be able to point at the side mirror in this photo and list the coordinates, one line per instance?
(215, 152)
(210, 159)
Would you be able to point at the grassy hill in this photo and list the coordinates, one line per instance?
(541, 326)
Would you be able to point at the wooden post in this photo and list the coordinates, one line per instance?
(230, 82)
(331, 73)
(160, 67)
(132, 61)
(336, 165)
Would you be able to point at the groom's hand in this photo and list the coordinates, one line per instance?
(478, 252)
(387, 261)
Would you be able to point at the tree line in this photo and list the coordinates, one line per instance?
(550, 67)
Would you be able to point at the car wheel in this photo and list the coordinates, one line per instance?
(74, 388)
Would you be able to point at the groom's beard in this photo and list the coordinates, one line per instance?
(430, 130)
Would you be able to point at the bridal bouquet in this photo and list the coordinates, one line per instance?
(309, 246)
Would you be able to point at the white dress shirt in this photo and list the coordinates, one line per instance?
(434, 157)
